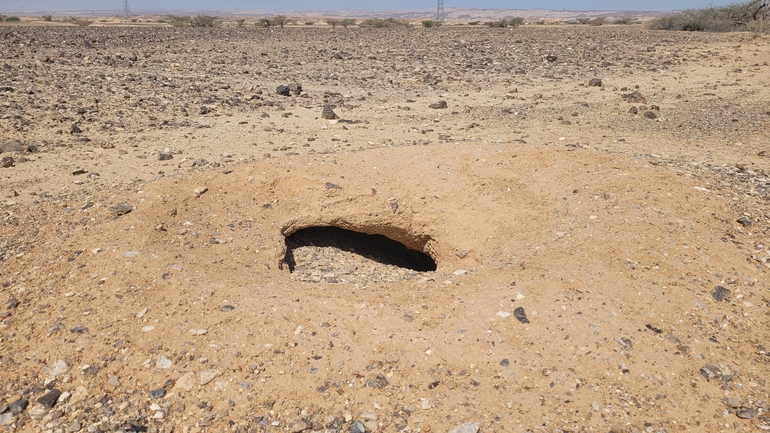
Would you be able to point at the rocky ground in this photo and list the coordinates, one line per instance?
(594, 201)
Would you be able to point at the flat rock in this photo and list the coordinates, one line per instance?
(186, 382)
(470, 427)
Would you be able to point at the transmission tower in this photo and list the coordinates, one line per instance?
(440, 11)
(126, 10)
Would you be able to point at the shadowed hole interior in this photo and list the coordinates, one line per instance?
(374, 247)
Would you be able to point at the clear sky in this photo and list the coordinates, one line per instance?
(148, 5)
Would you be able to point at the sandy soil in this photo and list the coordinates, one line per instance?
(596, 269)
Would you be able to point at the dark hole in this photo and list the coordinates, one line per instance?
(374, 247)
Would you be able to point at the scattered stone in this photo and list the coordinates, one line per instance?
(733, 402)
(12, 146)
(131, 254)
(6, 418)
(49, 399)
(330, 185)
(595, 406)
(470, 427)
(19, 406)
(357, 427)
(505, 362)
(283, 90)
(438, 105)
(198, 331)
(185, 383)
(720, 293)
(392, 357)
(157, 393)
(551, 58)
(295, 88)
(520, 315)
(74, 129)
(209, 375)
(635, 98)
(377, 382)
(163, 156)
(716, 370)
(163, 362)
(745, 221)
(747, 413)
(625, 429)
(199, 191)
(595, 82)
(298, 426)
(227, 308)
(328, 113)
(651, 114)
(633, 110)
(393, 206)
(8, 162)
(121, 208)
(58, 367)
(625, 343)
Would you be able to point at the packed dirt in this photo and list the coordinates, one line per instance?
(594, 201)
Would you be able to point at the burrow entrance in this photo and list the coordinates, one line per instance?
(336, 255)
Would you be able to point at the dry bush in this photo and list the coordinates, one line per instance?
(379, 23)
(733, 17)
(428, 24)
(598, 21)
(506, 22)
(204, 21)
(178, 21)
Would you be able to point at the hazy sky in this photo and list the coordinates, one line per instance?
(64, 5)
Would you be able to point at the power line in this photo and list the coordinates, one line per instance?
(440, 11)
(126, 10)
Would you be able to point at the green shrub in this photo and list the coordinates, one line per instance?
(347, 22)
(597, 21)
(624, 21)
(47, 18)
(241, 22)
(474, 23)
(733, 17)
(204, 21)
(379, 23)
(430, 24)
(505, 22)
(12, 19)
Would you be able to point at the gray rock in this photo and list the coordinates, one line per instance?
(8, 162)
(470, 427)
(283, 91)
(6, 418)
(595, 82)
(12, 146)
(440, 105)
(328, 113)
(19, 406)
(625, 343)
(715, 370)
(121, 208)
(330, 185)
(49, 400)
(157, 393)
(733, 402)
(747, 413)
(358, 427)
(298, 426)
(58, 367)
(745, 221)
(720, 293)
(520, 315)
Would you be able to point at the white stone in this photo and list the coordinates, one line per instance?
(185, 383)
(470, 427)
(6, 418)
(58, 367)
(163, 362)
(209, 375)
(141, 314)
(148, 328)
(198, 331)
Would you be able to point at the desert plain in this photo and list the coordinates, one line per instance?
(586, 209)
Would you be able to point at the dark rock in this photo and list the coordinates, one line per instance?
(227, 308)
(633, 110)
(79, 171)
(720, 293)
(79, 330)
(715, 370)
(204, 110)
(650, 49)
(505, 362)
(49, 400)
(157, 393)
(19, 406)
(650, 114)
(745, 221)
(74, 129)
(328, 113)
(377, 382)
(283, 91)
(136, 428)
(8, 162)
(393, 206)
(13, 304)
(357, 427)
(438, 105)
(121, 208)
(4, 408)
(635, 98)
(6, 89)
(298, 426)
(733, 402)
(595, 83)
(551, 58)
(330, 185)
(165, 156)
(520, 315)
(746, 413)
(295, 88)
(625, 343)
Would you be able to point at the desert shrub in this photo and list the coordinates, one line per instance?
(379, 23)
(12, 19)
(80, 22)
(474, 23)
(430, 24)
(134, 20)
(735, 16)
(505, 22)
(280, 21)
(347, 22)
(597, 21)
(47, 18)
(624, 21)
(263, 22)
(241, 22)
(204, 21)
(584, 20)
(178, 21)
(309, 23)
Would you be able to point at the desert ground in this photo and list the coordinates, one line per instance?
(585, 208)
